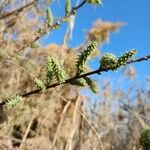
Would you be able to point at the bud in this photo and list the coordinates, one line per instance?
(108, 61)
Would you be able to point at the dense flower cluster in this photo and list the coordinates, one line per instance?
(54, 69)
(68, 7)
(125, 57)
(84, 56)
(108, 61)
(49, 17)
(40, 84)
(13, 101)
(49, 70)
(92, 85)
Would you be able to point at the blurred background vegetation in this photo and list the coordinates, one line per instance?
(66, 117)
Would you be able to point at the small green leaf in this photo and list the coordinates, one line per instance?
(49, 70)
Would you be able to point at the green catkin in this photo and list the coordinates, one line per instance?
(34, 45)
(67, 7)
(92, 85)
(40, 84)
(57, 25)
(58, 70)
(41, 31)
(49, 17)
(108, 61)
(49, 70)
(84, 56)
(13, 101)
(94, 2)
(79, 82)
(126, 57)
(144, 140)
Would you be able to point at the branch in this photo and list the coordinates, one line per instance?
(80, 5)
(15, 12)
(139, 59)
(98, 71)
(3, 5)
(73, 11)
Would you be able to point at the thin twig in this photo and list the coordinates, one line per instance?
(144, 125)
(58, 23)
(139, 59)
(26, 133)
(98, 71)
(75, 122)
(15, 12)
(80, 5)
(89, 123)
(84, 117)
(22, 68)
(74, 9)
(60, 123)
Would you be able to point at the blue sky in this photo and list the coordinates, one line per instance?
(135, 34)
